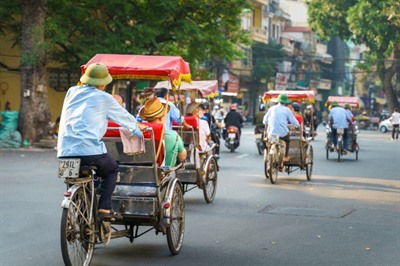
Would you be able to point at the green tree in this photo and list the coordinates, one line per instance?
(75, 30)
(266, 58)
(372, 22)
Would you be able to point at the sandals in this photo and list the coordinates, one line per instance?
(109, 216)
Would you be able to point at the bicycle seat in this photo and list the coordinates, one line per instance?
(85, 170)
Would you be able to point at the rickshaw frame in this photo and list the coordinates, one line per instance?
(146, 194)
(353, 131)
(301, 152)
(201, 170)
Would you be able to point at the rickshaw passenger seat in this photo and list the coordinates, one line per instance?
(157, 129)
(192, 121)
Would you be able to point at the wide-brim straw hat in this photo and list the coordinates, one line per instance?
(191, 107)
(153, 109)
(97, 75)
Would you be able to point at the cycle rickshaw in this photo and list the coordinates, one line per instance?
(301, 152)
(201, 168)
(353, 131)
(147, 195)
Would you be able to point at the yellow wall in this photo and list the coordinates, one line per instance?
(12, 79)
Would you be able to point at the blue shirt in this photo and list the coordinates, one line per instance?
(339, 117)
(172, 115)
(277, 119)
(84, 117)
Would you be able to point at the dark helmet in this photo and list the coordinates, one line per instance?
(261, 107)
(296, 107)
(205, 106)
(161, 92)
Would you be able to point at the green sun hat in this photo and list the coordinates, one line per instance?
(334, 104)
(97, 75)
(347, 106)
(282, 98)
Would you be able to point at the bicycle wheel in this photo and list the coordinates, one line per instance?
(309, 162)
(339, 149)
(266, 163)
(273, 168)
(78, 232)
(176, 229)
(210, 186)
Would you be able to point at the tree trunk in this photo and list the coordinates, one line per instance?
(34, 110)
(386, 75)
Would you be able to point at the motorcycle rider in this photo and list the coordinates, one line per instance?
(233, 118)
(339, 118)
(258, 116)
(310, 119)
(277, 119)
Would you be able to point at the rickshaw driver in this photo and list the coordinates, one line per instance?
(277, 119)
(339, 118)
(85, 113)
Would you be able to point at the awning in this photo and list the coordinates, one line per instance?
(148, 67)
(342, 100)
(205, 87)
(306, 95)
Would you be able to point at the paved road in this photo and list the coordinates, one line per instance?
(349, 214)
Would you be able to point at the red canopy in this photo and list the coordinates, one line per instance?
(292, 95)
(150, 67)
(205, 87)
(342, 100)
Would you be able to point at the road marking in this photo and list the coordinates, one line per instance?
(241, 156)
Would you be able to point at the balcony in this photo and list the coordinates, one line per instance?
(259, 35)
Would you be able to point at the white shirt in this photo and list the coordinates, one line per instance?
(395, 118)
(204, 131)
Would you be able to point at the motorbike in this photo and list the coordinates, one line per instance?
(307, 131)
(259, 133)
(232, 139)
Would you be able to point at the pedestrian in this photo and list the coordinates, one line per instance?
(85, 113)
(395, 119)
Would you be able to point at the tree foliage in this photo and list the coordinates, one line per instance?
(266, 58)
(198, 30)
(374, 23)
(75, 30)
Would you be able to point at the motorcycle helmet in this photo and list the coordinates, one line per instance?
(233, 106)
(310, 107)
(296, 107)
(205, 106)
(262, 107)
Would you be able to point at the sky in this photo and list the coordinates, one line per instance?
(297, 11)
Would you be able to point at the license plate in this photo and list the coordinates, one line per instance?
(231, 135)
(258, 136)
(68, 168)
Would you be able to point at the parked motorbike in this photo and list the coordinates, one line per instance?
(232, 139)
(259, 134)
